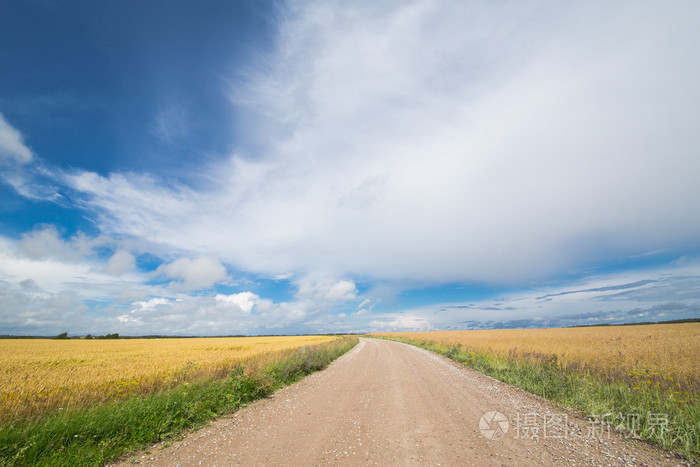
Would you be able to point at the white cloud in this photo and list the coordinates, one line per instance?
(138, 203)
(149, 305)
(194, 273)
(401, 323)
(342, 290)
(438, 141)
(45, 242)
(365, 307)
(42, 263)
(669, 292)
(120, 262)
(46, 284)
(49, 295)
(49, 284)
(399, 143)
(245, 300)
(241, 313)
(12, 144)
(42, 314)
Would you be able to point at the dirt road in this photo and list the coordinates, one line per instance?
(386, 403)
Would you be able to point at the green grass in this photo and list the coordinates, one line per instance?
(95, 435)
(664, 418)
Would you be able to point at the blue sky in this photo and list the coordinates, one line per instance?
(215, 168)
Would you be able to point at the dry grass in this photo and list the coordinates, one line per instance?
(663, 354)
(40, 375)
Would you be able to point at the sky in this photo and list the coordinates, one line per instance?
(271, 167)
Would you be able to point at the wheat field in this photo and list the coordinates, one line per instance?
(42, 375)
(657, 353)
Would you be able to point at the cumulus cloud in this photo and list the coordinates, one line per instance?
(220, 314)
(245, 300)
(43, 295)
(194, 273)
(48, 282)
(41, 262)
(120, 262)
(149, 305)
(38, 314)
(12, 144)
(46, 242)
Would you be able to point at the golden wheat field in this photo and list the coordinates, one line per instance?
(39, 375)
(661, 350)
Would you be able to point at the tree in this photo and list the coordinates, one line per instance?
(63, 335)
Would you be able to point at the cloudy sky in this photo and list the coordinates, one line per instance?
(215, 168)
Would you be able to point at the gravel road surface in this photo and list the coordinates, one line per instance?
(386, 403)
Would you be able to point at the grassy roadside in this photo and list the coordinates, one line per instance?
(644, 411)
(95, 435)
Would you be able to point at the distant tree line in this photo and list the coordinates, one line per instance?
(673, 321)
(64, 335)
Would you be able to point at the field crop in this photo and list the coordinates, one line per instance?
(40, 376)
(649, 374)
(667, 355)
(174, 385)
